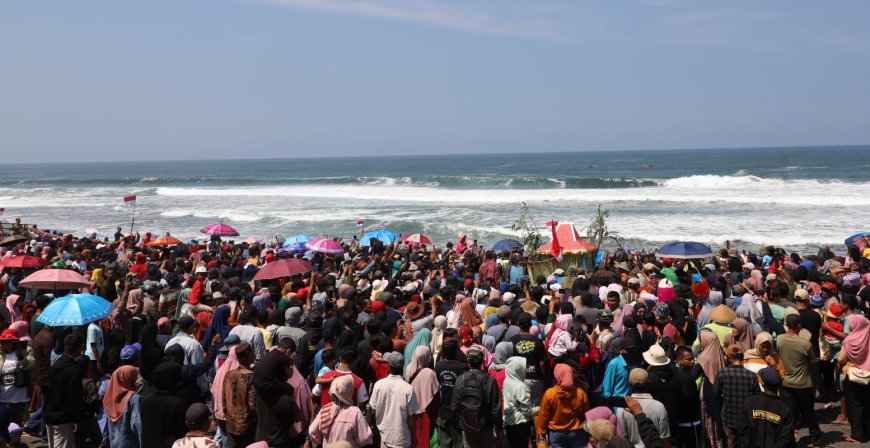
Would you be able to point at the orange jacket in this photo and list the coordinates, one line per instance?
(561, 411)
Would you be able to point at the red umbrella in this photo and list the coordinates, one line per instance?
(165, 241)
(219, 229)
(418, 238)
(286, 267)
(55, 279)
(23, 261)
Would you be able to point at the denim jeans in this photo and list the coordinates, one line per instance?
(35, 421)
(567, 439)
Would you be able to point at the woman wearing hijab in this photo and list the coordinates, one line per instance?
(22, 329)
(503, 351)
(856, 354)
(517, 404)
(741, 334)
(340, 420)
(467, 341)
(762, 356)
(121, 405)
(276, 410)
(422, 338)
(714, 299)
(422, 378)
(162, 410)
(711, 360)
(217, 386)
(562, 411)
(468, 315)
(440, 324)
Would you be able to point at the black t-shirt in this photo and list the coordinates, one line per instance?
(812, 322)
(531, 348)
(447, 371)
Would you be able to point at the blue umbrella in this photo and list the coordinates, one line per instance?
(297, 239)
(384, 236)
(294, 247)
(852, 239)
(508, 244)
(75, 309)
(684, 249)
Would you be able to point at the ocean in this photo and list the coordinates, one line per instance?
(796, 198)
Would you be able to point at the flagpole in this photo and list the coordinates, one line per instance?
(133, 219)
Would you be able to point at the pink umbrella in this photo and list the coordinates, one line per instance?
(418, 238)
(325, 246)
(55, 279)
(287, 267)
(219, 229)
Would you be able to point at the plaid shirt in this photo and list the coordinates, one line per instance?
(735, 384)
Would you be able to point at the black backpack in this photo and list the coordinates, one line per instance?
(471, 402)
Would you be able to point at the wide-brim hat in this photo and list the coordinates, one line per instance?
(723, 314)
(656, 356)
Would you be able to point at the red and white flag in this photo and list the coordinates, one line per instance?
(1, 211)
(130, 200)
(360, 223)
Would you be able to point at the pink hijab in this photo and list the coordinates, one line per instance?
(857, 343)
(562, 324)
(23, 330)
(217, 388)
(11, 301)
(302, 394)
(424, 381)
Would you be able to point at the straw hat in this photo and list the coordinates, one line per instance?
(723, 314)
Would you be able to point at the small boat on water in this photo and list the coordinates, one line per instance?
(645, 165)
(590, 166)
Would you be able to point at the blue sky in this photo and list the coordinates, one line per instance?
(192, 79)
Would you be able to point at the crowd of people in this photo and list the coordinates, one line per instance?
(404, 345)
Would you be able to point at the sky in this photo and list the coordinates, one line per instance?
(208, 79)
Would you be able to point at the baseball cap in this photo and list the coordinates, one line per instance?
(200, 270)
(197, 415)
(394, 359)
(769, 377)
(605, 316)
(733, 349)
(801, 294)
(637, 377)
(474, 356)
(130, 351)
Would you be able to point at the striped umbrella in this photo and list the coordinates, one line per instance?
(325, 246)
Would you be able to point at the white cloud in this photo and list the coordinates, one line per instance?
(432, 13)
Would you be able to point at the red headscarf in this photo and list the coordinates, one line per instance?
(121, 388)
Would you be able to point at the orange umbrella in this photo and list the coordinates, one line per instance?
(164, 241)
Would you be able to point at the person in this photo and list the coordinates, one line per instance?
(519, 409)
(562, 411)
(615, 383)
(64, 398)
(14, 360)
(652, 408)
(425, 384)
(477, 403)
(763, 356)
(503, 331)
(275, 406)
(43, 344)
(660, 373)
(447, 370)
(340, 419)
(162, 409)
(711, 359)
(193, 355)
(122, 407)
(734, 384)
(685, 390)
(237, 396)
(765, 419)
(531, 348)
(248, 332)
(394, 404)
(797, 356)
(348, 357)
(856, 354)
(198, 420)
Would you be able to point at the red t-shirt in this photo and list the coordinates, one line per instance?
(195, 292)
(324, 395)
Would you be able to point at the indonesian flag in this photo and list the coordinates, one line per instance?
(1, 211)
(360, 223)
(130, 200)
(555, 248)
